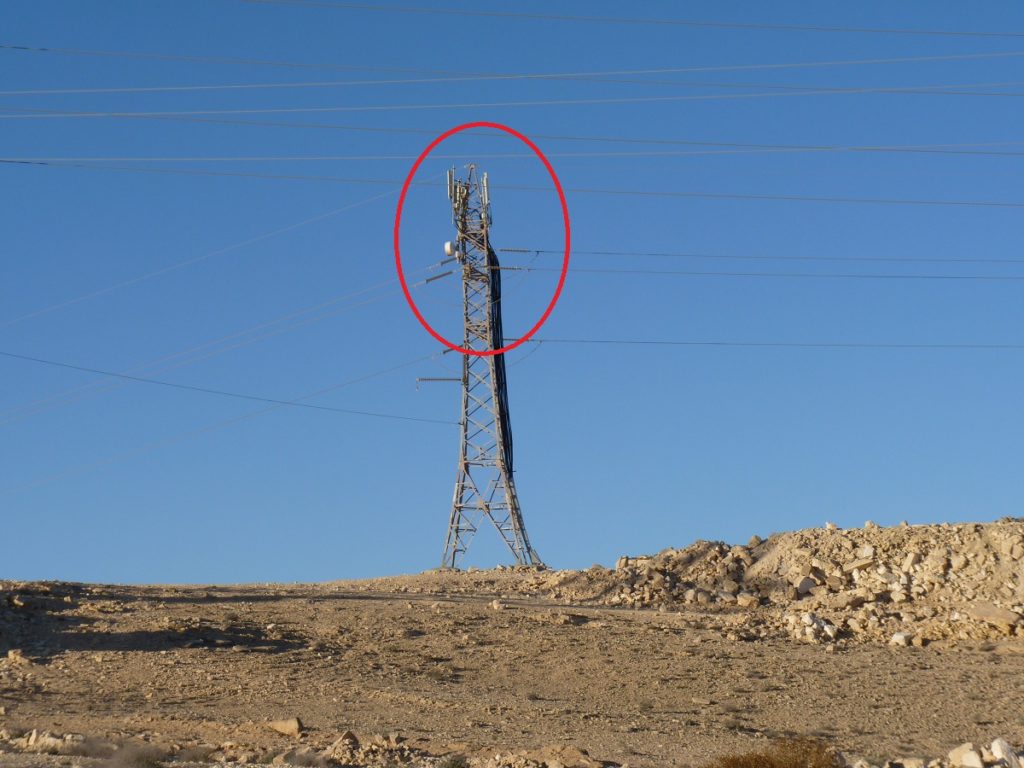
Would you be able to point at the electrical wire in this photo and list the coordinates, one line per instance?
(788, 275)
(210, 391)
(178, 437)
(762, 257)
(941, 90)
(443, 156)
(189, 262)
(590, 190)
(587, 76)
(786, 198)
(775, 344)
(946, 148)
(634, 21)
(503, 75)
(207, 59)
(182, 358)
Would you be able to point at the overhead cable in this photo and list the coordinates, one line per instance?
(812, 275)
(156, 56)
(946, 90)
(206, 429)
(190, 261)
(765, 257)
(585, 76)
(637, 21)
(285, 323)
(778, 344)
(210, 391)
(590, 190)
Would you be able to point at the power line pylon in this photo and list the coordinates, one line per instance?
(484, 483)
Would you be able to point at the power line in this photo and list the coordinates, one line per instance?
(947, 90)
(583, 190)
(178, 437)
(762, 257)
(189, 262)
(945, 148)
(786, 198)
(635, 21)
(776, 344)
(200, 172)
(207, 59)
(502, 75)
(813, 275)
(580, 77)
(209, 391)
(586, 76)
(301, 317)
(443, 156)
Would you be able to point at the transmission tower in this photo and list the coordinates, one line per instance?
(484, 484)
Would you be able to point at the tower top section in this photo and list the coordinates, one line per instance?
(471, 201)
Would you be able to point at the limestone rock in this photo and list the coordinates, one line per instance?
(1002, 751)
(16, 656)
(965, 756)
(993, 614)
(805, 585)
(858, 564)
(291, 726)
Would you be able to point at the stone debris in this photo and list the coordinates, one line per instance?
(1005, 754)
(902, 639)
(558, 756)
(380, 751)
(17, 656)
(1003, 618)
(919, 583)
(966, 756)
(811, 628)
(291, 726)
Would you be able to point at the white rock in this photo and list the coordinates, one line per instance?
(806, 585)
(965, 756)
(1002, 750)
(903, 639)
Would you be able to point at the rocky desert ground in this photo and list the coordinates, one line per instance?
(902, 645)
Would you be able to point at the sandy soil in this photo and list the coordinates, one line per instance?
(435, 659)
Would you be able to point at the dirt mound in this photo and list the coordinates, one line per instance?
(900, 584)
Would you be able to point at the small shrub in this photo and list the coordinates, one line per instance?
(788, 753)
(88, 747)
(194, 754)
(454, 761)
(438, 674)
(135, 756)
(307, 758)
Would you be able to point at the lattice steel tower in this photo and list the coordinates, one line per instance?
(484, 484)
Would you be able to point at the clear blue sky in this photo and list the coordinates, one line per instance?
(620, 449)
